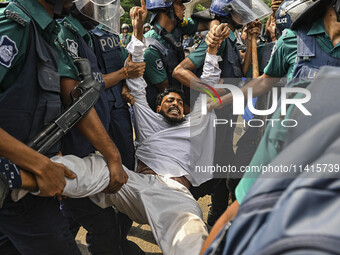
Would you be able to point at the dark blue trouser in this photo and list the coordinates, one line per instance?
(36, 226)
(121, 133)
(103, 228)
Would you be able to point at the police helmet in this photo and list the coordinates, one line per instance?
(285, 14)
(105, 12)
(307, 11)
(146, 25)
(125, 26)
(241, 11)
(162, 5)
(157, 5)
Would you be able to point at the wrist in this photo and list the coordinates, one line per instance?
(138, 33)
(44, 164)
(125, 73)
(212, 51)
(114, 159)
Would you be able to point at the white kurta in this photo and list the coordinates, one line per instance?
(173, 150)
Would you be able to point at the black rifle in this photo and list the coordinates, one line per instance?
(89, 91)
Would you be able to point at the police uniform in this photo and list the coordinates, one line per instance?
(156, 70)
(125, 39)
(78, 43)
(29, 100)
(111, 57)
(291, 58)
(231, 71)
(103, 230)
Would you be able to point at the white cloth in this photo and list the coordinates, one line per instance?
(173, 150)
(166, 205)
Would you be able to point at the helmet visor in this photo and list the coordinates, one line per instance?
(106, 12)
(246, 11)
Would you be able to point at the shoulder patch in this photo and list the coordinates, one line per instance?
(16, 17)
(72, 46)
(159, 64)
(8, 51)
(288, 33)
(16, 14)
(185, 22)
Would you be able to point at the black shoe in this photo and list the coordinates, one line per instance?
(131, 248)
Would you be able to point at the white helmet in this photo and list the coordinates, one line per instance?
(125, 26)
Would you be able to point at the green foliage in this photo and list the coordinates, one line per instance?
(127, 5)
(199, 8)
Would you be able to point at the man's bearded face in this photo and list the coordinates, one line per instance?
(172, 108)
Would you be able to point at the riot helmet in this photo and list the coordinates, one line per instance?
(105, 12)
(125, 26)
(146, 27)
(241, 11)
(283, 16)
(166, 6)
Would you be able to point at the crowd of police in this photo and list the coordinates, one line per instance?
(41, 40)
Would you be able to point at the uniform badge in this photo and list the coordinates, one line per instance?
(185, 22)
(72, 46)
(284, 33)
(8, 51)
(159, 64)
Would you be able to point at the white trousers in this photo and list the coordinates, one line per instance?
(166, 205)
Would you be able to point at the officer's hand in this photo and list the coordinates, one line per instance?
(276, 4)
(212, 39)
(211, 105)
(127, 97)
(134, 69)
(118, 177)
(223, 31)
(271, 28)
(52, 181)
(217, 34)
(138, 16)
(254, 29)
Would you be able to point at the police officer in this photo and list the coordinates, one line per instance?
(111, 56)
(166, 50)
(125, 37)
(102, 226)
(146, 27)
(233, 70)
(306, 38)
(30, 99)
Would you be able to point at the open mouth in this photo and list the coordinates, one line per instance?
(174, 111)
